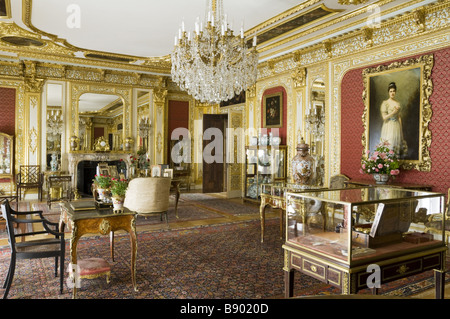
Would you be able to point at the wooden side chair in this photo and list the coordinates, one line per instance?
(51, 246)
(29, 177)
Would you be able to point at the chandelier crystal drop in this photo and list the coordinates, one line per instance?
(213, 64)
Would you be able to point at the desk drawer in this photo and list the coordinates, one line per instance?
(317, 270)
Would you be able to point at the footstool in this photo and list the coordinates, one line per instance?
(91, 268)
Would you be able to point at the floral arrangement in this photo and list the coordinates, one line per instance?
(382, 161)
(145, 163)
(102, 181)
(141, 151)
(134, 160)
(119, 187)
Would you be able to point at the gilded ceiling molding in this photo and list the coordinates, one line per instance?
(281, 16)
(420, 18)
(299, 77)
(67, 50)
(353, 2)
(368, 36)
(332, 25)
(426, 20)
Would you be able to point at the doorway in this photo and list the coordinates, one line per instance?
(214, 147)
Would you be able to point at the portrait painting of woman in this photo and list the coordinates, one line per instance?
(392, 128)
(395, 112)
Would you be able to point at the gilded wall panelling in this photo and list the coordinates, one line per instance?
(160, 115)
(33, 87)
(236, 144)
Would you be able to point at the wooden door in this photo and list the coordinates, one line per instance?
(214, 172)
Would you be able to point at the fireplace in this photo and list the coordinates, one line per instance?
(82, 166)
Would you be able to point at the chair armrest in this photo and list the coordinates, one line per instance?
(44, 222)
(33, 212)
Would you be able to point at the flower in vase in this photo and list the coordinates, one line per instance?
(382, 161)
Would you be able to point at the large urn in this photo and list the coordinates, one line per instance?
(302, 165)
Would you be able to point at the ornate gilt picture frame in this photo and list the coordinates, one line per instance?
(408, 128)
(273, 110)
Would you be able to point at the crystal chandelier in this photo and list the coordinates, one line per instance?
(212, 64)
(54, 122)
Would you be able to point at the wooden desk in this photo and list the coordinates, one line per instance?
(93, 221)
(357, 183)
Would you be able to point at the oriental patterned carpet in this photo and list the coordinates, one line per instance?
(221, 260)
(225, 261)
(191, 207)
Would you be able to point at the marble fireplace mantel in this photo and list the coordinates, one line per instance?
(77, 157)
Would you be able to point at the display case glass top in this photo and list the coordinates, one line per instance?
(354, 225)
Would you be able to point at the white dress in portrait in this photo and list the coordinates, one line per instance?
(391, 130)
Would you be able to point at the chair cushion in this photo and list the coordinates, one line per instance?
(93, 266)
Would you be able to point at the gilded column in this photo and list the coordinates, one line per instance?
(299, 82)
(160, 122)
(250, 107)
(32, 119)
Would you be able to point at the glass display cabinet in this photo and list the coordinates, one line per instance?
(273, 195)
(359, 238)
(263, 164)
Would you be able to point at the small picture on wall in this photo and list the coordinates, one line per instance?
(273, 110)
(168, 172)
(156, 170)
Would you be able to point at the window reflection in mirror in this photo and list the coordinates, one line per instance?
(100, 115)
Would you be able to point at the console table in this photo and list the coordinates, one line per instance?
(83, 218)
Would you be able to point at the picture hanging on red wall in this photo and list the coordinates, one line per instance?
(397, 110)
(273, 110)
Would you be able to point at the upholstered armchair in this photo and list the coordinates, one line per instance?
(148, 195)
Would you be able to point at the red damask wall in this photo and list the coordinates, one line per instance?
(352, 107)
(282, 131)
(7, 110)
(178, 117)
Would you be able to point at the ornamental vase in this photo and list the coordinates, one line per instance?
(118, 203)
(302, 165)
(102, 193)
(54, 163)
(381, 179)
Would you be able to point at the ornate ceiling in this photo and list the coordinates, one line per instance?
(139, 35)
